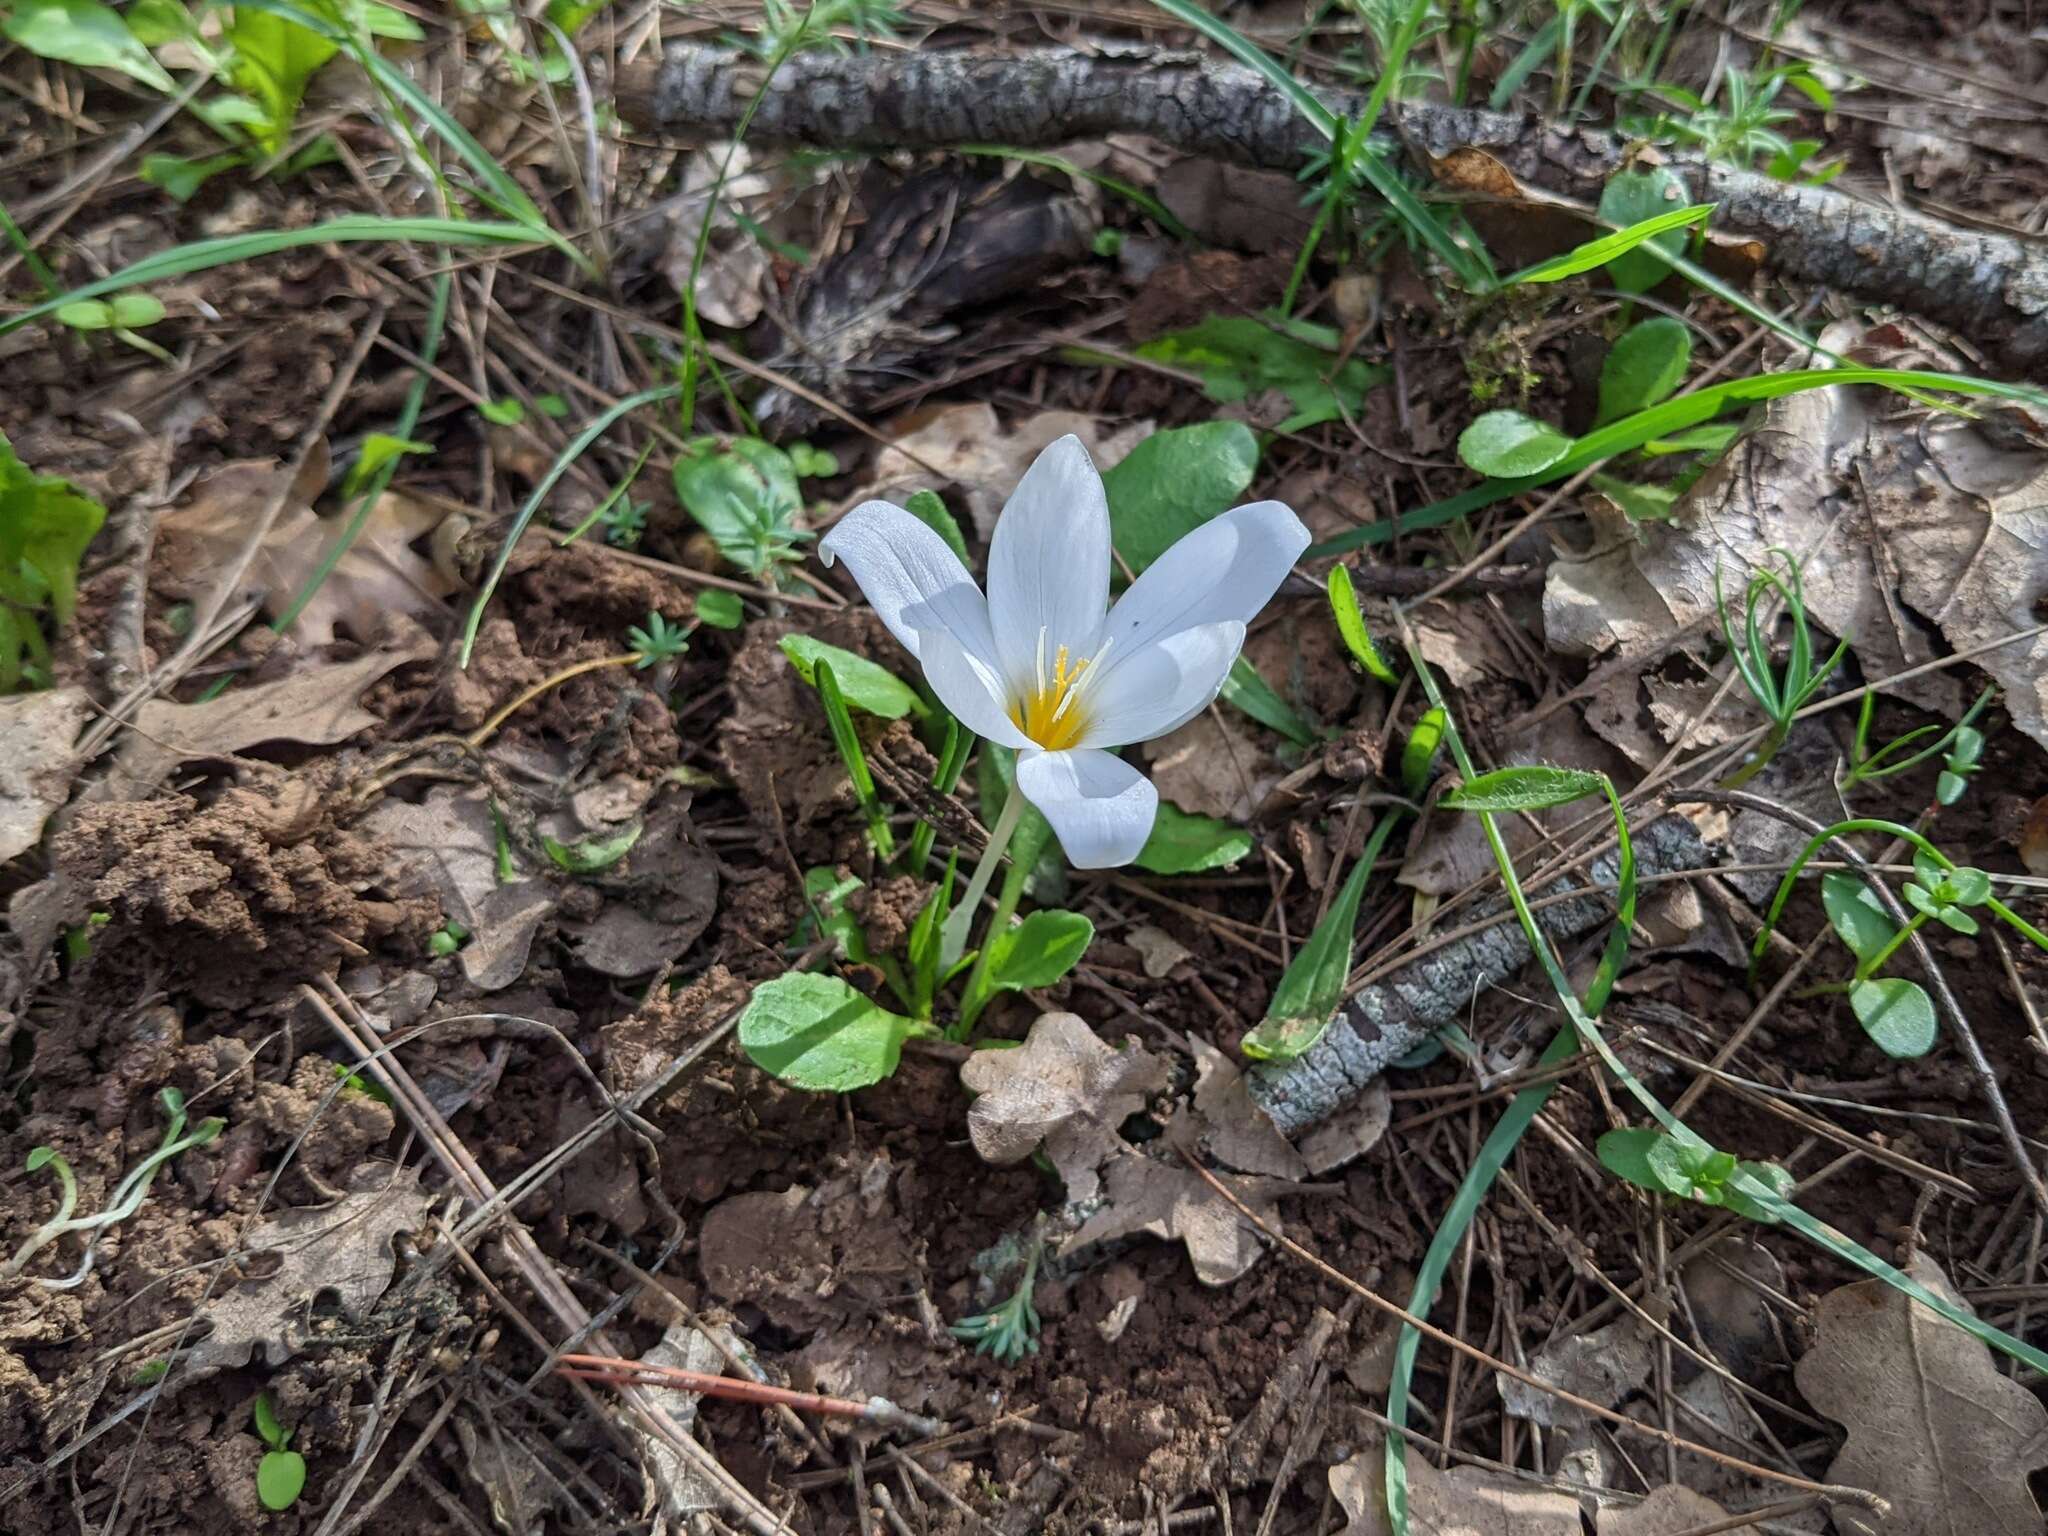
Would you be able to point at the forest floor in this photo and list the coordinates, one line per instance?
(439, 948)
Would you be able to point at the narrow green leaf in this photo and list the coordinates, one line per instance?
(1711, 439)
(1312, 986)
(1186, 844)
(1244, 689)
(1598, 253)
(1510, 444)
(1351, 627)
(817, 1033)
(268, 1429)
(863, 684)
(1528, 787)
(852, 754)
(85, 33)
(1643, 367)
(1639, 503)
(593, 856)
(1038, 951)
(379, 450)
(1418, 757)
(508, 412)
(1175, 481)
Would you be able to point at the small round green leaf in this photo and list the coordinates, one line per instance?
(280, 1479)
(1509, 444)
(1897, 1014)
(86, 315)
(1038, 951)
(1969, 887)
(1630, 198)
(1626, 1155)
(719, 608)
(1643, 367)
(133, 311)
(816, 1032)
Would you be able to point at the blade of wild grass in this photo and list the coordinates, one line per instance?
(599, 425)
(203, 255)
(37, 267)
(1673, 415)
(1470, 263)
(408, 418)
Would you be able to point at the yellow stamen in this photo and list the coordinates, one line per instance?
(1047, 714)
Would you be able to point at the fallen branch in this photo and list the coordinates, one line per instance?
(1989, 287)
(1389, 1019)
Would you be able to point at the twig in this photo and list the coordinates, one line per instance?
(621, 1372)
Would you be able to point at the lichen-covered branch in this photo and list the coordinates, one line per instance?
(1390, 1018)
(1990, 287)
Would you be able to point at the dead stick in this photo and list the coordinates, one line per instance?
(1992, 288)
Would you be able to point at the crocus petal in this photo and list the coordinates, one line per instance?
(970, 687)
(1100, 807)
(1227, 569)
(1160, 687)
(1048, 563)
(916, 584)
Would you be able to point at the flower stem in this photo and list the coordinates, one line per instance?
(975, 998)
(953, 937)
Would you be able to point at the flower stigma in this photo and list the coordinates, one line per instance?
(1049, 711)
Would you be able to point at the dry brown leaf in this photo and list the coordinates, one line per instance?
(1229, 1126)
(1668, 1511)
(1170, 1200)
(379, 575)
(37, 762)
(968, 446)
(315, 705)
(344, 1248)
(1209, 768)
(1910, 529)
(1605, 1366)
(1933, 1426)
(1063, 1087)
(1465, 1501)
(1158, 950)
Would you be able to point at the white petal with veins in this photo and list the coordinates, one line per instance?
(914, 581)
(1229, 568)
(1100, 807)
(1048, 563)
(1161, 687)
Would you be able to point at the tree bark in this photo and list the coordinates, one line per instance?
(1991, 288)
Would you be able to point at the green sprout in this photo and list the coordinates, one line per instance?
(658, 641)
(124, 1202)
(1962, 742)
(1685, 1166)
(281, 1474)
(1780, 698)
(447, 939)
(1008, 1332)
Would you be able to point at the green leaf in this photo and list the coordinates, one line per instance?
(1708, 439)
(1630, 199)
(508, 412)
(273, 61)
(1185, 844)
(1531, 787)
(1418, 757)
(1895, 1013)
(724, 610)
(1038, 951)
(85, 33)
(1854, 911)
(379, 449)
(593, 856)
(182, 178)
(811, 463)
(1949, 787)
(268, 1429)
(1238, 355)
(1778, 1180)
(817, 1033)
(1312, 986)
(155, 22)
(1969, 887)
(1244, 689)
(1175, 481)
(1601, 252)
(862, 683)
(1643, 367)
(746, 498)
(125, 312)
(554, 407)
(1639, 503)
(280, 1479)
(1351, 626)
(1627, 1153)
(1509, 444)
(844, 737)
(929, 509)
(45, 526)
(825, 914)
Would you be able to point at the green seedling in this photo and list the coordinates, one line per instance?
(1780, 697)
(447, 939)
(125, 1200)
(1685, 1166)
(657, 641)
(719, 608)
(46, 524)
(593, 856)
(1008, 1332)
(854, 756)
(281, 1474)
(1962, 744)
(1351, 626)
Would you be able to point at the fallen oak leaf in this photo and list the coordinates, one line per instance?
(1668, 1511)
(37, 761)
(1145, 1195)
(1465, 1501)
(1933, 1427)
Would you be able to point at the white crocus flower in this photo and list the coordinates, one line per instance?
(1039, 665)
